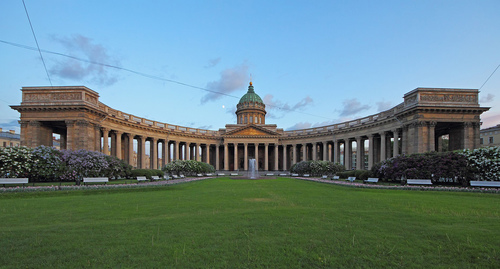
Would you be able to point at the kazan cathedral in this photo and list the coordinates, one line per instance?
(418, 124)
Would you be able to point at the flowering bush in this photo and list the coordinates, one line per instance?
(484, 163)
(316, 168)
(15, 161)
(188, 167)
(430, 165)
(49, 164)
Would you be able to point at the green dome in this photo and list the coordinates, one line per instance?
(250, 96)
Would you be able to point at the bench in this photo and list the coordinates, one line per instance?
(221, 174)
(418, 182)
(306, 175)
(324, 177)
(371, 180)
(175, 176)
(233, 174)
(351, 179)
(283, 175)
(139, 179)
(335, 177)
(13, 181)
(209, 175)
(269, 174)
(485, 184)
(199, 175)
(95, 180)
(155, 178)
(295, 175)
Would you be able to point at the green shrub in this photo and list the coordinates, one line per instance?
(188, 167)
(143, 173)
(316, 168)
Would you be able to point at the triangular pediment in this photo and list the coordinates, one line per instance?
(251, 130)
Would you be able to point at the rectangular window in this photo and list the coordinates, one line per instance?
(491, 140)
(4, 144)
(481, 141)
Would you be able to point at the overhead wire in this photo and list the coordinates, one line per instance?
(489, 77)
(36, 41)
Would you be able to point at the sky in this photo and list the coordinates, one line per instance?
(188, 63)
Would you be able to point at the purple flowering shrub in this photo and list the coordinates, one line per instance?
(46, 164)
(431, 165)
(84, 163)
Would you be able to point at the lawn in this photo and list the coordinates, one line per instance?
(269, 223)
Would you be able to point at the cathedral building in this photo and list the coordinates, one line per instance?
(417, 125)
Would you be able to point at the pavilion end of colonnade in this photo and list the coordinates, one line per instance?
(417, 125)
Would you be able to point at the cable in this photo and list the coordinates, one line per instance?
(36, 41)
(150, 76)
(489, 77)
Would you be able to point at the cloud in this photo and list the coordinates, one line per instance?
(383, 106)
(83, 47)
(274, 107)
(230, 80)
(490, 120)
(352, 106)
(10, 125)
(299, 126)
(488, 98)
(213, 62)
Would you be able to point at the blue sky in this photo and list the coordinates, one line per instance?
(326, 61)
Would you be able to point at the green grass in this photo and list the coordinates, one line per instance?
(273, 223)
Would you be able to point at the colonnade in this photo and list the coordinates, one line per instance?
(359, 152)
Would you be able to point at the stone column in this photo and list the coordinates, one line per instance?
(304, 152)
(266, 157)
(325, 151)
(118, 145)
(370, 151)
(432, 136)
(468, 138)
(187, 151)
(217, 159)
(166, 152)
(153, 155)
(97, 139)
(359, 153)
(226, 157)
(314, 151)
(294, 152)
(245, 157)
(207, 159)
(105, 144)
(257, 156)
(235, 157)
(395, 150)
(176, 150)
(347, 154)
(130, 149)
(276, 156)
(285, 158)
(143, 152)
(382, 146)
(404, 140)
(336, 151)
